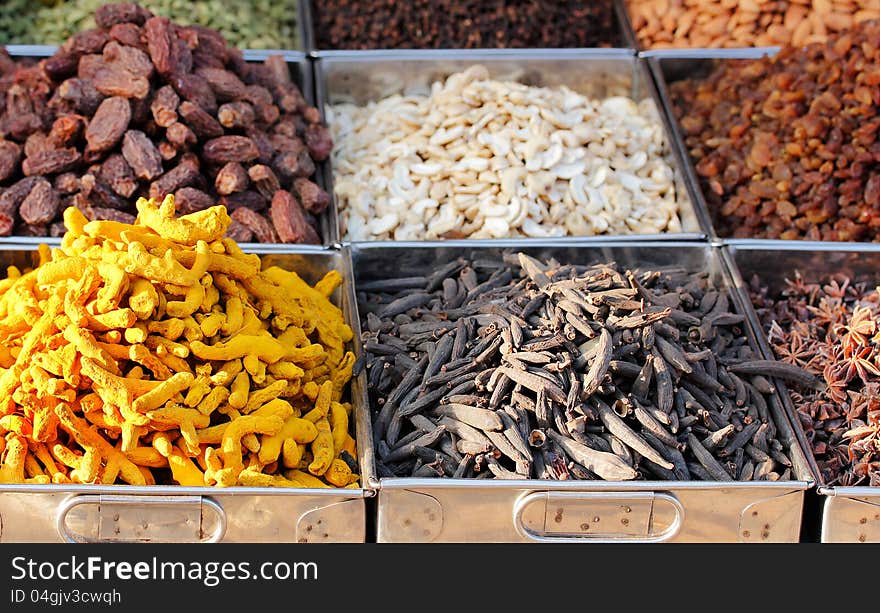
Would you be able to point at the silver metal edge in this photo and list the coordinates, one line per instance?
(304, 25)
(621, 10)
(296, 60)
(640, 72)
(701, 53)
(784, 411)
(155, 490)
(326, 169)
(724, 276)
(804, 246)
(358, 387)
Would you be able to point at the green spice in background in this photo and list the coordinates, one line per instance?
(247, 24)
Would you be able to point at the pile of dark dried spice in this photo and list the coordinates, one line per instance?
(518, 368)
(141, 106)
(833, 331)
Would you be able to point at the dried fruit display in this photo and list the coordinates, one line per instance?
(255, 24)
(831, 329)
(145, 107)
(135, 354)
(464, 24)
(786, 147)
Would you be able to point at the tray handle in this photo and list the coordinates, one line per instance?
(541, 517)
(126, 518)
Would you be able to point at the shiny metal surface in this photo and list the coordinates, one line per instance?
(362, 76)
(847, 513)
(301, 72)
(87, 513)
(672, 65)
(444, 510)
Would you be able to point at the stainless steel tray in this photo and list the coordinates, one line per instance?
(848, 514)
(86, 513)
(363, 76)
(625, 37)
(302, 74)
(457, 510)
(670, 65)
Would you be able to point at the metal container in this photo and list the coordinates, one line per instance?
(625, 37)
(98, 513)
(848, 514)
(670, 65)
(301, 73)
(365, 76)
(535, 510)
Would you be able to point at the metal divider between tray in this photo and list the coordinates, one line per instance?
(642, 82)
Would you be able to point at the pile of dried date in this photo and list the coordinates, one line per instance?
(517, 368)
(831, 329)
(141, 106)
(786, 147)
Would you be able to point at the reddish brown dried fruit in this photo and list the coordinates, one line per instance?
(131, 59)
(239, 233)
(290, 166)
(200, 121)
(224, 83)
(36, 143)
(313, 198)
(164, 106)
(61, 65)
(108, 125)
(113, 80)
(111, 14)
(289, 220)
(41, 204)
(32, 231)
(11, 199)
(118, 175)
(93, 213)
(185, 174)
(236, 115)
(180, 136)
(162, 45)
(57, 229)
(50, 161)
(19, 127)
(142, 155)
(66, 130)
(189, 200)
(263, 143)
(319, 142)
(100, 195)
(89, 65)
(167, 150)
(248, 199)
(204, 59)
(286, 144)
(66, 183)
(87, 41)
(128, 34)
(10, 156)
(195, 89)
(231, 178)
(230, 149)
(264, 180)
(263, 103)
(82, 94)
(257, 224)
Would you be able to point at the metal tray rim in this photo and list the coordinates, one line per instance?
(406, 483)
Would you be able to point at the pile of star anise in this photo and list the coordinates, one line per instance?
(833, 331)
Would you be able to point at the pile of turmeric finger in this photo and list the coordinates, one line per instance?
(159, 353)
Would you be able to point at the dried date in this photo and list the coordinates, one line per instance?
(185, 174)
(200, 121)
(190, 200)
(164, 106)
(131, 59)
(314, 199)
(230, 148)
(224, 83)
(195, 89)
(110, 14)
(247, 199)
(179, 135)
(10, 157)
(41, 204)
(231, 178)
(107, 126)
(260, 227)
(114, 80)
(142, 155)
(162, 45)
(51, 161)
(264, 180)
(118, 175)
(236, 115)
(289, 220)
